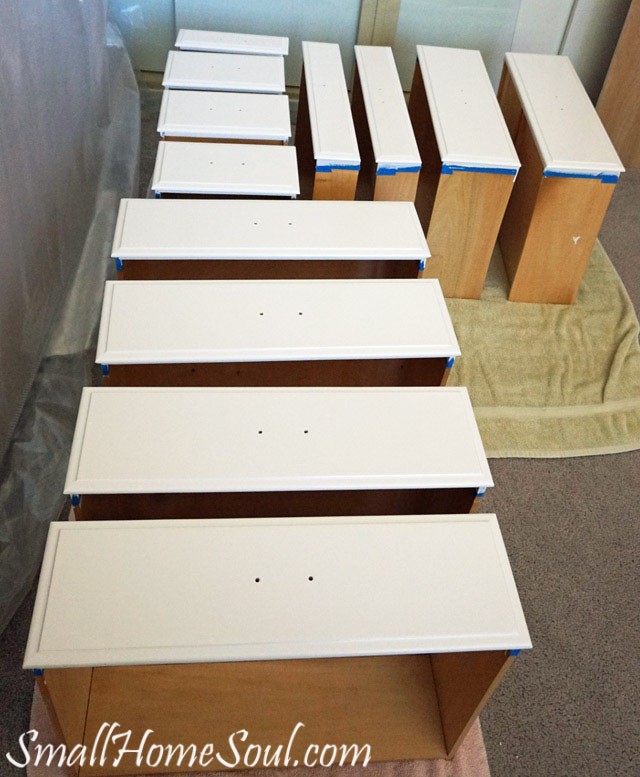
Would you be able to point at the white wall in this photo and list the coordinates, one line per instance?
(591, 38)
(585, 30)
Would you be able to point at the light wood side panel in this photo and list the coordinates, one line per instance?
(464, 682)
(401, 186)
(561, 235)
(619, 102)
(335, 185)
(66, 696)
(388, 702)
(517, 218)
(464, 226)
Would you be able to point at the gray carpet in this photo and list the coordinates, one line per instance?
(570, 707)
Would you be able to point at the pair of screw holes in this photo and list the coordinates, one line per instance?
(306, 431)
(300, 313)
(310, 579)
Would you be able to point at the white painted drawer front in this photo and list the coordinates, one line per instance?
(392, 137)
(224, 72)
(467, 120)
(226, 169)
(238, 43)
(332, 130)
(151, 322)
(567, 130)
(170, 440)
(199, 114)
(145, 592)
(237, 229)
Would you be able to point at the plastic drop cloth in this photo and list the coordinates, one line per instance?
(69, 150)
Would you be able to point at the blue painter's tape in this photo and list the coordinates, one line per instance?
(514, 652)
(157, 195)
(75, 499)
(422, 264)
(105, 369)
(604, 177)
(394, 170)
(119, 265)
(331, 168)
(37, 672)
(481, 491)
(448, 169)
(450, 362)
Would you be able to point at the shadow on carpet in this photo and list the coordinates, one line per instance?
(550, 381)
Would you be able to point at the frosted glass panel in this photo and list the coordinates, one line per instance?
(333, 21)
(487, 25)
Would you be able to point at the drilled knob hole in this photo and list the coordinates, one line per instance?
(257, 579)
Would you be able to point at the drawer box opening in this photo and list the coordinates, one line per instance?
(262, 269)
(317, 372)
(272, 504)
(405, 707)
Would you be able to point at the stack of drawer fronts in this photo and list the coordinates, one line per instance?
(274, 492)
(227, 92)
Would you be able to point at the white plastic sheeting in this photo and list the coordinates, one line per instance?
(69, 150)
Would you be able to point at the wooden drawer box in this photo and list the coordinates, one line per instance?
(275, 333)
(226, 453)
(197, 629)
(328, 156)
(241, 240)
(225, 170)
(569, 172)
(468, 166)
(224, 72)
(390, 159)
(224, 116)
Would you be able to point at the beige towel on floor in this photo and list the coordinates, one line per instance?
(552, 380)
(470, 761)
